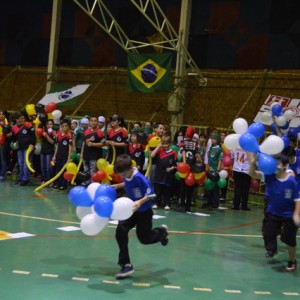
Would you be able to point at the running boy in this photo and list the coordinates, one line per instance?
(140, 191)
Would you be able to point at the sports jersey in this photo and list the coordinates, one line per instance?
(165, 159)
(63, 142)
(282, 195)
(241, 162)
(191, 148)
(78, 135)
(137, 187)
(94, 136)
(136, 152)
(295, 167)
(119, 136)
(24, 135)
(47, 147)
(215, 154)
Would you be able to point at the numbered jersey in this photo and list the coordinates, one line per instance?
(241, 162)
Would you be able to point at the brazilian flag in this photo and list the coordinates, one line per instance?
(149, 73)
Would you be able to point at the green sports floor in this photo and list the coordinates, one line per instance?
(220, 256)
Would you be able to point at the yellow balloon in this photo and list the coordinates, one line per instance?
(50, 116)
(109, 169)
(101, 164)
(133, 163)
(30, 109)
(105, 181)
(225, 149)
(71, 168)
(36, 123)
(198, 175)
(154, 142)
(182, 175)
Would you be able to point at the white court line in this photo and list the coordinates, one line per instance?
(290, 294)
(110, 282)
(80, 279)
(141, 284)
(172, 287)
(21, 272)
(202, 289)
(233, 291)
(262, 293)
(50, 275)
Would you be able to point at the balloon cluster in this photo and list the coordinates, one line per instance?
(200, 174)
(96, 204)
(247, 139)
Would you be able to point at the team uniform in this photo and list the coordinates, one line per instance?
(282, 195)
(119, 136)
(4, 149)
(295, 167)
(136, 152)
(242, 179)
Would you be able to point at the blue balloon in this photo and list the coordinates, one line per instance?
(103, 206)
(293, 132)
(273, 128)
(257, 129)
(248, 142)
(266, 163)
(277, 110)
(79, 196)
(106, 190)
(286, 141)
(286, 126)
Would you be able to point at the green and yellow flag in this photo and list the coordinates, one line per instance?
(149, 73)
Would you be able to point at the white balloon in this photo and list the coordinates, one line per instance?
(223, 174)
(82, 211)
(284, 131)
(123, 209)
(231, 141)
(91, 189)
(272, 145)
(240, 125)
(281, 121)
(266, 116)
(56, 114)
(38, 148)
(92, 224)
(289, 114)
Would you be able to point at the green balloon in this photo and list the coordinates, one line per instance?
(179, 158)
(146, 154)
(74, 156)
(222, 183)
(174, 147)
(14, 147)
(177, 176)
(209, 184)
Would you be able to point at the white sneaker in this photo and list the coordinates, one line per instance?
(154, 206)
(167, 207)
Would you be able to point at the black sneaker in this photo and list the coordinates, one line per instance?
(125, 272)
(270, 254)
(164, 241)
(291, 266)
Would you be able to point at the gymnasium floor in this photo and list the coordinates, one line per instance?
(220, 256)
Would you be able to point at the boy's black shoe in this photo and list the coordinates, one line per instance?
(270, 254)
(125, 272)
(291, 266)
(23, 182)
(164, 241)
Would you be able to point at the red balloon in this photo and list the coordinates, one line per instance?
(50, 107)
(226, 161)
(115, 177)
(68, 176)
(39, 132)
(229, 171)
(2, 139)
(207, 167)
(227, 154)
(190, 179)
(254, 184)
(201, 180)
(99, 176)
(183, 168)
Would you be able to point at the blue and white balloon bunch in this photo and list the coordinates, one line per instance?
(96, 204)
(246, 138)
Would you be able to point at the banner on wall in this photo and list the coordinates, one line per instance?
(286, 104)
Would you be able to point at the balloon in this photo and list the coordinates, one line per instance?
(40, 108)
(257, 129)
(225, 149)
(285, 126)
(14, 146)
(92, 224)
(174, 147)
(198, 175)
(288, 114)
(50, 107)
(79, 196)
(273, 128)
(82, 176)
(293, 132)
(92, 188)
(82, 211)
(276, 110)
(286, 141)
(98, 176)
(71, 168)
(223, 174)
(281, 121)
(30, 109)
(154, 142)
(123, 209)
(43, 118)
(272, 145)
(133, 162)
(182, 175)
(266, 163)
(115, 177)
(39, 132)
(74, 156)
(56, 114)
(109, 169)
(266, 116)
(2, 139)
(231, 141)
(183, 168)
(68, 176)
(198, 167)
(190, 179)
(106, 191)
(50, 117)
(254, 185)
(101, 164)
(226, 161)
(222, 183)
(248, 142)
(209, 185)
(38, 148)
(240, 125)
(202, 179)
(177, 175)
(103, 206)
(213, 176)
